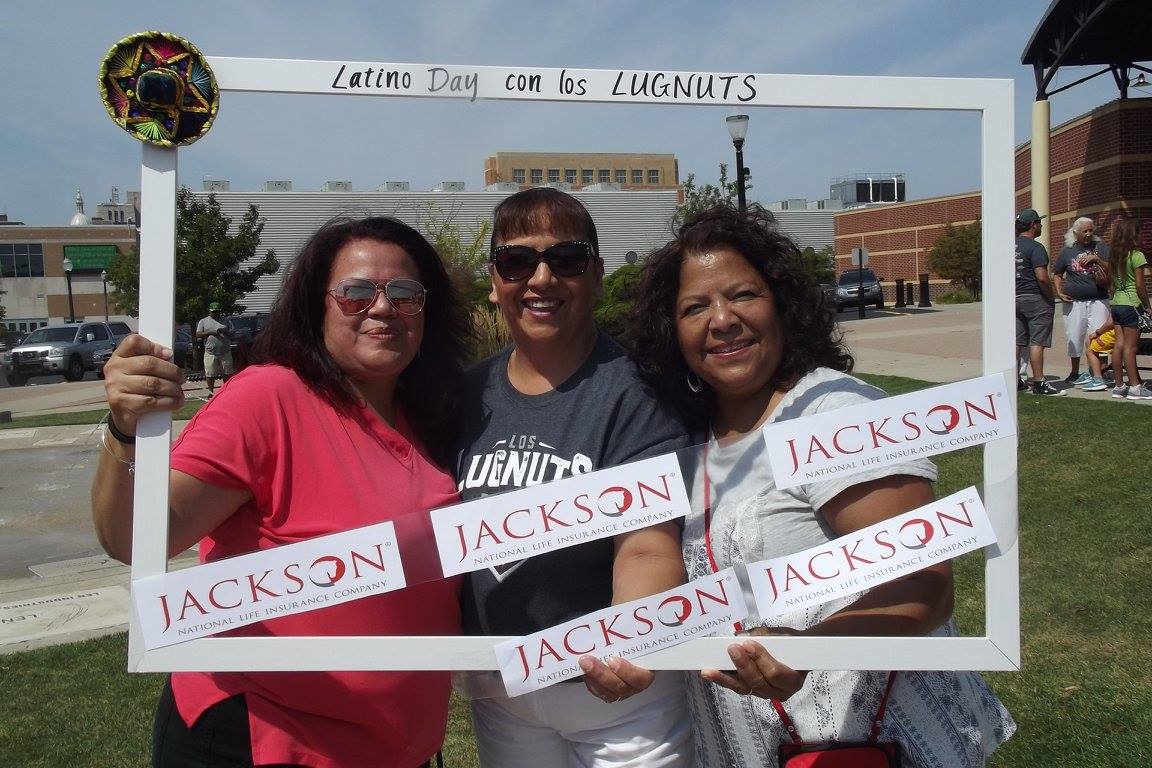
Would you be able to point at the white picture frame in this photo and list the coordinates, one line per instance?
(992, 99)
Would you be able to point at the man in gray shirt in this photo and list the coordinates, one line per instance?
(216, 332)
(1034, 301)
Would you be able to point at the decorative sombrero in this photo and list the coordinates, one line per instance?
(159, 88)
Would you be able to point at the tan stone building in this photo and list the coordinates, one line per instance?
(32, 272)
(631, 171)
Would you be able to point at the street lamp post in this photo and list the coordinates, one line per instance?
(68, 276)
(104, 279)
(738, 129)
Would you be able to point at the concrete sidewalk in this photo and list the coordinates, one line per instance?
(81, 598)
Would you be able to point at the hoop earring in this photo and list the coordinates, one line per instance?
(694, 383)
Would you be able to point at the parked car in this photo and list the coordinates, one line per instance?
(828, 294)
(858, 286)
(245, 330)
(66, 349)
(119, 330)
(181, 351)
(99, 359)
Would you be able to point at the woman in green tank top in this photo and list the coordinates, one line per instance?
(1129, 298)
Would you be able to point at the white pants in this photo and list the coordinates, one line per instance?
(565, 726)
(1080, 319)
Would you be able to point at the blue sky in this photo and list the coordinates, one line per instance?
(55, 135)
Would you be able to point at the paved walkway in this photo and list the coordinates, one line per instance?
(75, 599)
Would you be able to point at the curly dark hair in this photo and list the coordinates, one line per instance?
(429, 389)
(808, 325)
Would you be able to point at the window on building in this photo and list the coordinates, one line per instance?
(586, 177)
(604, 177)
(653, 177)
(518, 175)
(537, 176)
(637, 177)
(570, 175)
(553, 175)
(21, 260)
(621, 177)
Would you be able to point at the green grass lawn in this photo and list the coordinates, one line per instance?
(185, 411)
(1083, 698)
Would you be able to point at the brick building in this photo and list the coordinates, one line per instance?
(1101, 166)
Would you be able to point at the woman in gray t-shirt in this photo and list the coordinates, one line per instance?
(730, 330)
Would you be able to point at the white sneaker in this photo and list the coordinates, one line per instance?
(1142, 392)
(1120, 392)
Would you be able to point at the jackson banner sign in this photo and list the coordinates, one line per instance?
(516, 525)
(293, 578)
(871, 556)
(700, 608)
(890, 431)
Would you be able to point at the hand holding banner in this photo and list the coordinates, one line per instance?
(226, 594)
(697, 609)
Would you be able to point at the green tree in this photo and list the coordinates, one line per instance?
(701, 198)
(465, 253)
(209, 261)
(615, 303)
(956, 256)
(821, 264)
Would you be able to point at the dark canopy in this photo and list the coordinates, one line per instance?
(1115, 34)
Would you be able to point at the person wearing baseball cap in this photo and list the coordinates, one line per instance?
(1035, 302)
(216, 332)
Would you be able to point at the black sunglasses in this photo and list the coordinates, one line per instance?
(519, 262)
(356, 295)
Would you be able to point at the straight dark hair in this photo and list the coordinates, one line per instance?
(429, 389)
(540, 211)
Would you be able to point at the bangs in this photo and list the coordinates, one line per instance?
(543, 211)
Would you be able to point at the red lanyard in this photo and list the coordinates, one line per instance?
(738, 626)
(873, 732)
(785, 720)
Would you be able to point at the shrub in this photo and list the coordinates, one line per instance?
(491, 333)
(616, 303)
(958, 296)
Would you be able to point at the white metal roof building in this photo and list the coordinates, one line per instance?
(809, 223)
(625, 221)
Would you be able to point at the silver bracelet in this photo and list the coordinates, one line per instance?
(105, 422)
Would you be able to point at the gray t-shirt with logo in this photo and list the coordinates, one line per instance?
(1079, 282)
(600, 417)
(1029, 255)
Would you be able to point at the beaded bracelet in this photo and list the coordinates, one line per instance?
(115, 431)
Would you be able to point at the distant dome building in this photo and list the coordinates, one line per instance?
(78, 218)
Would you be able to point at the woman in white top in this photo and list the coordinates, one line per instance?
(730, 329)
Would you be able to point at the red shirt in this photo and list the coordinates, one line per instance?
(312, 471)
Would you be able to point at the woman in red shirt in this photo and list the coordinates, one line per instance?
(346, 420)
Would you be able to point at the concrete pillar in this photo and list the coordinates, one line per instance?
(1041, 168)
